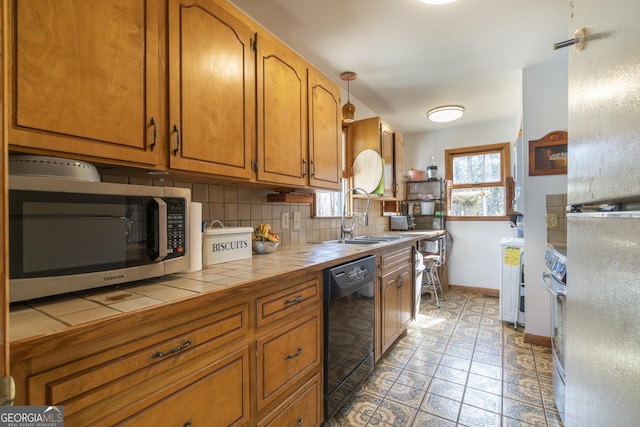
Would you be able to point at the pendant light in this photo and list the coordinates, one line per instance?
(348, 109)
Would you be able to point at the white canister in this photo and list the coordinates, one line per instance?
(427, 208)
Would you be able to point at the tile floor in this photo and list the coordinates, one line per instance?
(457, 366)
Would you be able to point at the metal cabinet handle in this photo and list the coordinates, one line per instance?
(400, 280)
(155, 134)
(304, 168)
(184, 345)
(312, 169)
(178, 140)
(291, 356)
(297, 300)
(299, 422)
(187, 424)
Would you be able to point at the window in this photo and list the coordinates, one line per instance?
(478, 176)
(328, 204)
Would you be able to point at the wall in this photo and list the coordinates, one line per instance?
(248, 207)
(475, 256)
(545, 97)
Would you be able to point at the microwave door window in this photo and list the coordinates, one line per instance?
(64, 244)
(61, 234)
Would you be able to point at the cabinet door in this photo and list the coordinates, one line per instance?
(325, 133)
(211, 90)
(398, 184)
(386, 152)
(282, 113)
(405, 298)
(389, 308)
(84, 78)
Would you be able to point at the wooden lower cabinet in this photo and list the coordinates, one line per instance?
(205, 361)
(396, 296)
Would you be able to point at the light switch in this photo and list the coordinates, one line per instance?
(552, 220)
(285, 221)
(296, 220)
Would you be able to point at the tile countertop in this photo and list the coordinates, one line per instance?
(44, 316)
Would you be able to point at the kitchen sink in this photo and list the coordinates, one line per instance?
(365, 240)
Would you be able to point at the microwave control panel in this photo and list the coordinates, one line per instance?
(176, 227)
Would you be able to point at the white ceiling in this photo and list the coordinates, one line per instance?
(411, 57)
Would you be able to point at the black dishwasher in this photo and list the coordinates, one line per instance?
(348, 330)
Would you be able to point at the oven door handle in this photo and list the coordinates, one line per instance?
(554, 292)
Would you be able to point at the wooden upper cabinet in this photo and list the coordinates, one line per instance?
(211, 90)
(325, 132)
(376, 134)
(282, 113)
(84, 77)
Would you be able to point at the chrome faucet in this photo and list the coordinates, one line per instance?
(344, 230)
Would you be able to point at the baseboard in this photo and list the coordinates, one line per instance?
(488, 292)
(537, 340)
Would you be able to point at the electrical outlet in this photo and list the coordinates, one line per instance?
(285, 221)
(552, 220)
(296, 220)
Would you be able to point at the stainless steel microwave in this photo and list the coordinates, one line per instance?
(68, 235)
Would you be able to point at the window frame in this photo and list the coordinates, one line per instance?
(504, 149)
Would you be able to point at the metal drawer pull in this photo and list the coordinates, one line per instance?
(294, 301)
(299, 422)
(298, 353)
(173, 350)
(187, 424)
(155, 133)
(178, 140)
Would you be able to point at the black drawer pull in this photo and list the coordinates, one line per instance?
(297, 300)
(184, 345)
(299, 422)
(298, 353)
(187, 424)
(178, 140)
(155, 133)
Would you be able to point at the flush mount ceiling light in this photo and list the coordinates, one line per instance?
(445, 113)
(437, 1)
(348, 109)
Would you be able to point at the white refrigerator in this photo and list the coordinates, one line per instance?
(602, 362)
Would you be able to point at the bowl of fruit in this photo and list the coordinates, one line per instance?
(263, 240)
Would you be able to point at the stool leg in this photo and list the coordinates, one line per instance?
(438, 281)
(432, 279)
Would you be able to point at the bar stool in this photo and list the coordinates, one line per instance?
(434, 258)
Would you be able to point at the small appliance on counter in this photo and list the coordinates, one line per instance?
(68, 231)
(402, 222)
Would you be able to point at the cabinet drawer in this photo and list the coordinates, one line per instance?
(285, 356)
(217, 396)
(393, 260)
(80, 385)
(280, 304)
(302, 408)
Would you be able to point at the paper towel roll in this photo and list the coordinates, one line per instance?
(195, 236)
